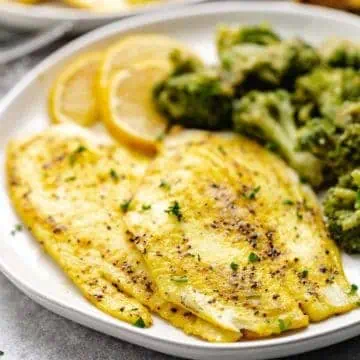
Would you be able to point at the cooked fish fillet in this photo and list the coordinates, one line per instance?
(233, 237)
(71, 189)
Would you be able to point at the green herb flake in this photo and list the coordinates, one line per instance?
(74, 155)
(222, 150)
(145, 207)
(125, 206)
(299, 215)
(253, 258)
(282, 325)
(70, 178)
(114, 175)
(271, 146)
(353, 289)
(234, 266)
(160, 137)
(252, 193)
(304, 274)
(180, 279)
(288, 202)
(140, 323)
(2, 353)
(175, 210)
(17, 228)
(164, 185)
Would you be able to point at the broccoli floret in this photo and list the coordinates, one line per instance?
(200, 100)
(318, 136)
(342, 211)
(269, 118)
(228, 36)
(341, 53)
(348, 113)
(324, 92)
(346, 155)
(266, 67)
(184, 63)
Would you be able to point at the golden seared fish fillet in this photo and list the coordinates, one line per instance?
(232, 236)
(71, 189)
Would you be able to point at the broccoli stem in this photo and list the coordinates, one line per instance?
(269, 117)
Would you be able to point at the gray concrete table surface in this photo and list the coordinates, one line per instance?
(30, 332)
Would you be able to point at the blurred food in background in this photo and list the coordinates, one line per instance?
(92, 5)
(353, 5)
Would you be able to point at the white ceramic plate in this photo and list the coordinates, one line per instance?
(24, 111)
(51, 14)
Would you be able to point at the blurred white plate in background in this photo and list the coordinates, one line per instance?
(39, 16)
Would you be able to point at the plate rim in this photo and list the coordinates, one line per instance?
(132, 23)
(54, 13)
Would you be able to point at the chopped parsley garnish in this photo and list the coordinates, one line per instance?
(222, 150)
(253, 257)
(70, 178)
(139, 323)
(179, 279)
(199, 257)
(164, 185)
(282, 325)
(160, 137)
(252, 193)
(234, 266)
(288, 202)
(304, 274)
(146, 207)
(125, 206)
(354, 289)
(75, 153)
(17, 228)
(299, 215)
(114, 175)
(271, 146)
(175, 210)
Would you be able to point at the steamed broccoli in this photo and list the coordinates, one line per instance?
(200, 99)
(323, 92)
(342, 211)
(341, 53)
(269, 118)
(318, 136)
(335, 142)
(266, 67)
(329, 112)
(227, 36)
(346, 155)
(184, 63)
(348, 113)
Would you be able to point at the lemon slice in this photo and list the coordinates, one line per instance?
(99, 5)
(73, 95)
(135, 49)
(130, 114)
